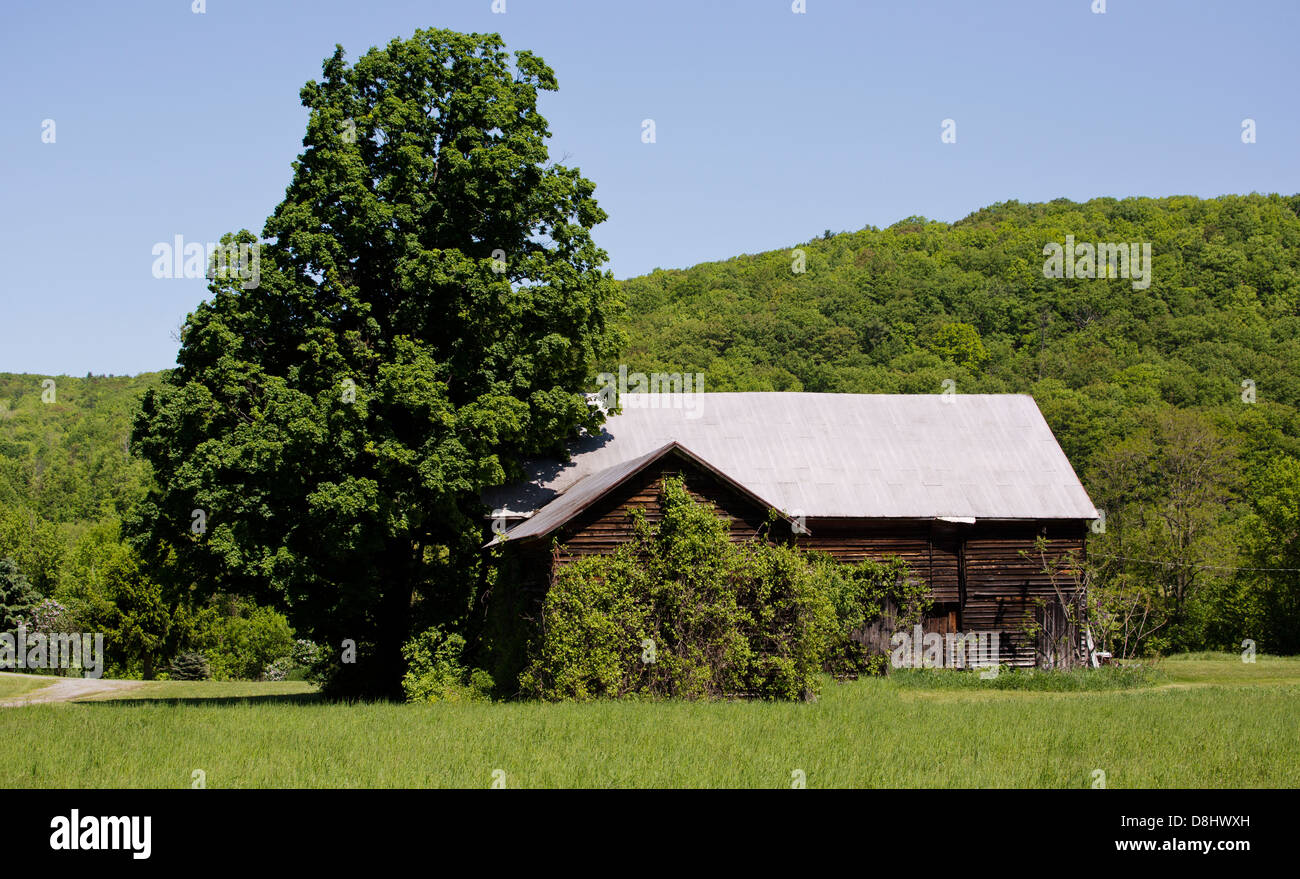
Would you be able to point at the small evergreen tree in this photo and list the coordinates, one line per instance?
(190, 667)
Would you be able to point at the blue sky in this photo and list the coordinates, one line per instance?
(771, 126)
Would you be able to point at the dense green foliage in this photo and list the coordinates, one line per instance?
(900, 309)
(65, 468)
(241, 639)
(66, 480)
(1144, 387)
(17, 597)
(682, 611)
(430, 304)
(436, 670)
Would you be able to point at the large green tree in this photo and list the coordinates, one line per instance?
(429, 308)
(1168, 491)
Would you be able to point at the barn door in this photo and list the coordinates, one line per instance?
(1057, 641)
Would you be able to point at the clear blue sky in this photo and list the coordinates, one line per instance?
(771, 126)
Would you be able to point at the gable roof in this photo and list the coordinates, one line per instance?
(591, 489)
(906, 456)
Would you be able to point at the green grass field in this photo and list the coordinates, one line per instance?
(1208, 721)
(17, 684)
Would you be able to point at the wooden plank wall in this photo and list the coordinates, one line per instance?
(609, 523)
(930, 552)
(983, 577)
(1005, 580)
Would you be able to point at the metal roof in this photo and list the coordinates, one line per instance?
(582, 495)
(590, 489)
(907, 456)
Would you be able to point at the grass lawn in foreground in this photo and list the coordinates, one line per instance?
(1212, 721)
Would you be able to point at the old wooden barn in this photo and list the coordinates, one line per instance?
(960, 486)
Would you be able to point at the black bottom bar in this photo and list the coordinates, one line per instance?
(302, 827)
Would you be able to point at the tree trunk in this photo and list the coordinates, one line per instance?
(394, 631)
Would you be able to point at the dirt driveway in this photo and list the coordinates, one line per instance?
(66, 690)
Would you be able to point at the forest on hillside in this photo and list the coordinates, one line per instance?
(1177, 403)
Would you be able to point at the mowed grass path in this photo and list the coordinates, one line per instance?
(1216, 722)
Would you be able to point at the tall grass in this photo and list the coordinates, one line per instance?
(867, 733)
(1113, 677)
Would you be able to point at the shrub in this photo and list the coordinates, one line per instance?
(436, 671)
(594, 628)
(301, 664)
(680, 611)
(865, 594)
(240, 638)
(50, 616)
(306, 653)
(279, 669)
(191, 666)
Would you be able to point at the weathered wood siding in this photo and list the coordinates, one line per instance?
(932, 553)
(1005, 579)
(609, 523)
(988, 576)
